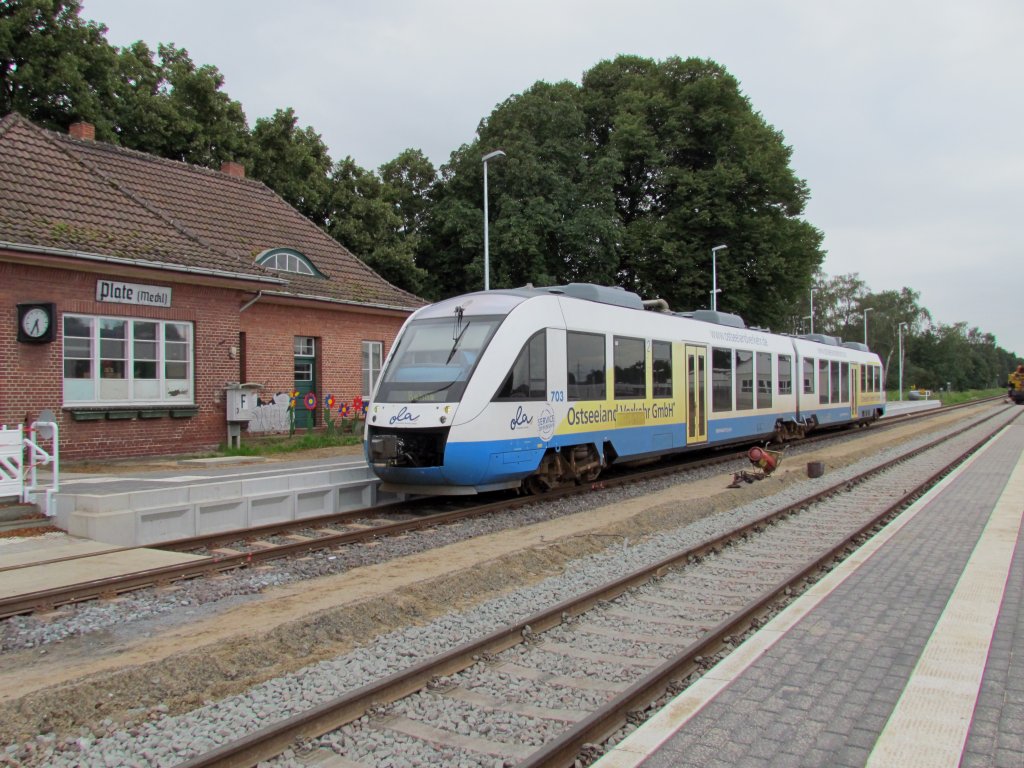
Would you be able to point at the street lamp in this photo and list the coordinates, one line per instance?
(866, 310)
(812, 310)
(487, 249)
(805, 317)
(714, 276)
(900, 331)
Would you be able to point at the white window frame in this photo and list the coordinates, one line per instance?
(371, 371)
(127, 389)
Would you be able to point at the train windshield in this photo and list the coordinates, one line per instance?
(434, 359)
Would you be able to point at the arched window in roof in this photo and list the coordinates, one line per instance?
(287, 260)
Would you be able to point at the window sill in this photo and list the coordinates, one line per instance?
(128, 414)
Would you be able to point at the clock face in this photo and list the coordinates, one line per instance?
(35, 322)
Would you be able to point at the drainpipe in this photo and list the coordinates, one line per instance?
(257, 297)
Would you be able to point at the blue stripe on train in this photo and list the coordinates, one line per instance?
(489, 462)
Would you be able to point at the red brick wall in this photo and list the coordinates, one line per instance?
(270, 330)
(31, 377)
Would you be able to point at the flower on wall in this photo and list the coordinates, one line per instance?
(310, 401)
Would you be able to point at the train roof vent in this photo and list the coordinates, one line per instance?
(821, 338)
(718, 318)
(603, 294)
(856, 345)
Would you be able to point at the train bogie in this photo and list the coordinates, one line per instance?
(536, 388)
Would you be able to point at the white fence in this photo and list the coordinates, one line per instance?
(21, 456)
(11, 453)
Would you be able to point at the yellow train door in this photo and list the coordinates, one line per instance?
(696, 394)
(854, 389)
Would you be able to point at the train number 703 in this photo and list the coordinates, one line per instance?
(557, 396)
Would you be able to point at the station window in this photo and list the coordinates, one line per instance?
(304, 346)
(661, 353)
(372, 353)
(785, 375)
(114, 360)
(744, 380)
(721, 379)
(585, 366)
(528, 378)
(287, 260)
(630, 360)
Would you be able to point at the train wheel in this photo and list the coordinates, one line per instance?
(534, 486)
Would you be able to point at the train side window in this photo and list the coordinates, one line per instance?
(785, 375)
(661, 353)
(823, 382)
(835, 382)
(808, 376)
(630, 360)
(585, 366)
(764, 380)
(744, 380)
(865, 384)
(528, 378)
(721, 379)
(844, 382)
(878, 377)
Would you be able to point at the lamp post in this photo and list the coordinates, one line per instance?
(805, 317)
(714, 276)
(487, 248)
(900, 331)
(812, 310)
(866, 310)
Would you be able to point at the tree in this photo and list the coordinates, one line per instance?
(207, 127)
(631, 178)
(294, 162)
(409, 182)
(839, 305)
(55, 68)
(364, 222)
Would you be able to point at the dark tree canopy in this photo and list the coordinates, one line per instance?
(294, 162)
(628, 178)
(631, 178)
(55, 68)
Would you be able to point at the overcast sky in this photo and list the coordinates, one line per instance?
(906, 117)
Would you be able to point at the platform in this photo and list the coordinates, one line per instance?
(144, 508)
(908, 654)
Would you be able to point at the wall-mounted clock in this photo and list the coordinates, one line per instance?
(36, 323)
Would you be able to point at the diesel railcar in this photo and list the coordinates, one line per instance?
(538, 387)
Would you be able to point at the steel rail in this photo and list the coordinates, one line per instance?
(48, 599)
(271, 740)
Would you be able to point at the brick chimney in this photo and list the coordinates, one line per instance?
(83, 131)
(231, 168)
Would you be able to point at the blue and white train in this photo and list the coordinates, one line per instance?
(535, 388)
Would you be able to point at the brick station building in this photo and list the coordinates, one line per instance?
(134, 289)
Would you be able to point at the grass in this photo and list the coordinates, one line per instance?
(950, 398)
(955, 398)
(284, 444)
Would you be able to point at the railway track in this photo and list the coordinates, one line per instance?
(545, 689)
(230, 550)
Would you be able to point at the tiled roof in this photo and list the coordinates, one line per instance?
(84, 196)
